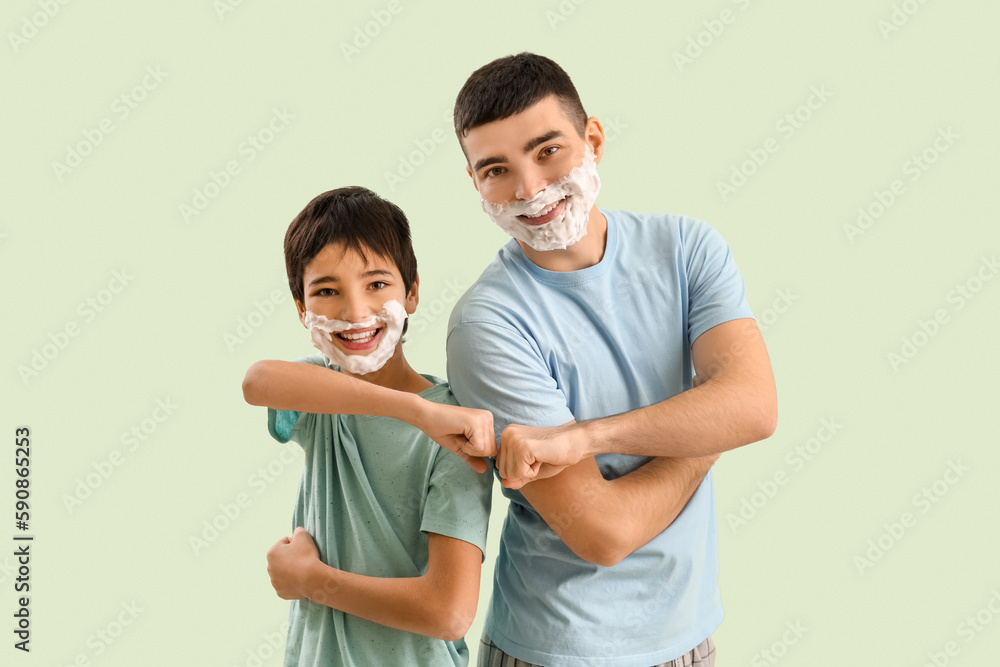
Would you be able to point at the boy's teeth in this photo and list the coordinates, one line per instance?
(357, 337)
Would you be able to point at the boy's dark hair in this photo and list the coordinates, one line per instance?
(511, 84)
(360, 220)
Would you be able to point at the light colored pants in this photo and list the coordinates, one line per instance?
(490, 655)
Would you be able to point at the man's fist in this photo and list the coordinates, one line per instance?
(528, 453)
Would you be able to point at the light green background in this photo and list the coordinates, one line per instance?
(677, 131)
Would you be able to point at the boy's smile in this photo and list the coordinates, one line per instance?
(341, 285)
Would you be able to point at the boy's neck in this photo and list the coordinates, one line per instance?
(397, 374)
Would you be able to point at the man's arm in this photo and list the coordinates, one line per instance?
(600, 520)
(603, 521)
(441, 603)
(286, 385)
(733, 404)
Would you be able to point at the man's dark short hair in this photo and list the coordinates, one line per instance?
(360, 220)
(511, 84)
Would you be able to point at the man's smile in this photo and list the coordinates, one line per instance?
(547, 214)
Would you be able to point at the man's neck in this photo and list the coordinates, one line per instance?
(586, 252)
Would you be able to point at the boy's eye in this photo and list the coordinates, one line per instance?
(325, 291)
(378, 284)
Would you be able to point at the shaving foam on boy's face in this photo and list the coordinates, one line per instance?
(322, 331)
(556, 217)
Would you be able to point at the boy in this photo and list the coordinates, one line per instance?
(384, 565)
(583, 338)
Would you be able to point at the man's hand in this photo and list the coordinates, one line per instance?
(528, 453)
(288, 563)
(463, 431)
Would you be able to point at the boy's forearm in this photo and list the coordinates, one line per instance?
(412, 604)
(286, 385)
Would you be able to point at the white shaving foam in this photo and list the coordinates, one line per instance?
(580, 187)
(321, 332)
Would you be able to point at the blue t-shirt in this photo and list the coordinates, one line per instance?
(541, 348)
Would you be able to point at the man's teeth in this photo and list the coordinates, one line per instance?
(358, 337)
(547, 209)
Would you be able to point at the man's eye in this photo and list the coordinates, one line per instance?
(549, 150)
(495, 171)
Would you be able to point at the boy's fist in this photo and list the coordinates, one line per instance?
(288, 563)
(465, 431)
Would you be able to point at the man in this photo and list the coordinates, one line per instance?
(619, 357)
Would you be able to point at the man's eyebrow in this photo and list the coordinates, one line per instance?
(487, 161)
(528, 147)
(538, 141)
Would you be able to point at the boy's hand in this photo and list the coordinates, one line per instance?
(465, 431)
(288, 563)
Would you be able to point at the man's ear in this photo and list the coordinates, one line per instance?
(413, 296)
(475, 184)
(593, 134)
(299, 306)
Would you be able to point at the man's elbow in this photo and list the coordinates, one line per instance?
(767, 418)
(600, 547)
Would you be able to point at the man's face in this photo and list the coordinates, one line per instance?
(516, 158)
(340, 285)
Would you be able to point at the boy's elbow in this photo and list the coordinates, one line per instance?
(453, 622)
(252, 383)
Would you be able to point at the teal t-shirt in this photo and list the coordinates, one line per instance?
(371, 490)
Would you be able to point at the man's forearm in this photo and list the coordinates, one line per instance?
(601, 520)
(716, 417)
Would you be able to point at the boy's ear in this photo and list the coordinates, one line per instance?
(299, 306)
(413, 296)
(593, 134)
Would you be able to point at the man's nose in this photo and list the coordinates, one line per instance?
(530, 183)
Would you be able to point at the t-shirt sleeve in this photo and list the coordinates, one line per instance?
(458, 501)
(716, 290)
(495, 368)
(285, 425)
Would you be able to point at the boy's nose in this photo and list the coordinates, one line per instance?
(355, 310)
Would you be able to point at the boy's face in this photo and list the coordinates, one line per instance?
(340, 285)
(518, 157)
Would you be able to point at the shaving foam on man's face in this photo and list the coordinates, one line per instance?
(370, 342)
(556, 217)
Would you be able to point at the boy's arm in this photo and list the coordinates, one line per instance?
(302, 387)
(441, 603)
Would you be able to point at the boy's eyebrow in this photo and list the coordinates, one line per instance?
(335, 279)
(528, 147)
